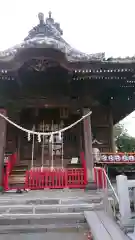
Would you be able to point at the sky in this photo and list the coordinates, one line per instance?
(90, 26)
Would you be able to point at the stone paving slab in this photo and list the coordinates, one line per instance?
(51, 197)
(45, 236)
(52, 194)
(41, 219)
(68, 216)
(42, 209)
(41, 201)
(63, 228)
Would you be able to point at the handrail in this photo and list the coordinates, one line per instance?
(105, 181)
(108, 180)
(102, 180)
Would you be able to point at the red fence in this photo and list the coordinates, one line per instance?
(55, 179)
(10, 162)
(8, 166)
(41, 178)
(100, 177)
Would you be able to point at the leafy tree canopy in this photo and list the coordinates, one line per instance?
(124, 142)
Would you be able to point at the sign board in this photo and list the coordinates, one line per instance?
(74, 160)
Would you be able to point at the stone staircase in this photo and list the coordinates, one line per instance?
(45, 214)
(50, 214)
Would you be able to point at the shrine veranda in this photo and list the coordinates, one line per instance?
(46, 85)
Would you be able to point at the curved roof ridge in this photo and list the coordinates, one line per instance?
(49, 34)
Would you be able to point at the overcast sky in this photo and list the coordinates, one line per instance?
(90, 26)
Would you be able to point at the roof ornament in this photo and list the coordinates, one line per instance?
(48, 33)
(50, 14)
(49, 20)
(41, 18)
(54, 24)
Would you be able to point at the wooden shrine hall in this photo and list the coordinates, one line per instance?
(46, 85)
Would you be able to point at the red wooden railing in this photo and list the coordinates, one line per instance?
(56, 178)
(100, 177)
(11, 162)
(41, 178)
(83, 161)
(8, 166)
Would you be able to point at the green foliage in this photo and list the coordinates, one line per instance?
(124, 142)
(119, 130)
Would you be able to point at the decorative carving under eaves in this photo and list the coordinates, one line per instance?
(40, 65)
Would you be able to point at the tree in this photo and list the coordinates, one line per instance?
(119, 130)
(124, 142)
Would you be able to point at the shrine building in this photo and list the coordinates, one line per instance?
(46, 85)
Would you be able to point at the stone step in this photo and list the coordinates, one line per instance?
(21, 166)
(43, 209)
(18, 200)
(55, 228)
(16, 179)
(42, 219)
(27, 201)
(18, 171)
(53, 197)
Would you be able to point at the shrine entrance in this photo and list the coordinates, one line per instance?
(52, 161)
(56, 152)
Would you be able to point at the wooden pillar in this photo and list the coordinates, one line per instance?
(111, 131)
(88, 144)
(18, 135)
(3, 128)
(14, 133)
